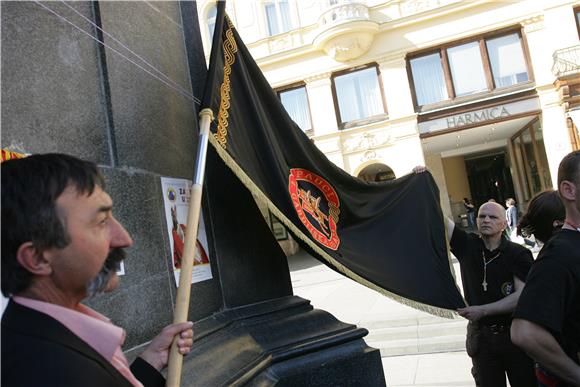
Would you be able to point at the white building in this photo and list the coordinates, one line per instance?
(482, 92)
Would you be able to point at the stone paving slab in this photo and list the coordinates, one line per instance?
(446, 364)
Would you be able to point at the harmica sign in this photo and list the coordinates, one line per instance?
(481, 116)
(477, 116)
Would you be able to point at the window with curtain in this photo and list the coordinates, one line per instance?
(211, 20)
(428, 79)
(278, 16)
(506, 57)
(359, 95)
(295, 102)
(466, 68)
(452, 70)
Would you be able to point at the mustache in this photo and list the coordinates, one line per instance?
(110, 267)
(114, 259)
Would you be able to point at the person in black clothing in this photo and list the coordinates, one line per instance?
(493, 271)
(470, 209)
(547, 318)
(545, 215)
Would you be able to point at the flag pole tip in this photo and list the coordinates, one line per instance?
(206, 112)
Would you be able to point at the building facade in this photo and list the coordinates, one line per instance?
(484, 93)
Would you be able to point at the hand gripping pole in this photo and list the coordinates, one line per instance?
(183, 291)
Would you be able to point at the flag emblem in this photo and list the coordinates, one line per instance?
(317, 206)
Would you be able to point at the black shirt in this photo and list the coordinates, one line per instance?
(510, 260)
(551, 297)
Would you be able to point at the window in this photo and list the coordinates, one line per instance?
(577, 14)
(531, 160)
(359, 95)
(296, 103)
(211, 20)
(506, 57)
(429, 79)
(466, 69)
(476, 66)
(278, 16)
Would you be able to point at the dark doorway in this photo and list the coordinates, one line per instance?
(489, 178)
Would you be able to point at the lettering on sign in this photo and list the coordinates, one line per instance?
(477, 116)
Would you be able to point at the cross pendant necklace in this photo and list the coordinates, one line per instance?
(485, 263)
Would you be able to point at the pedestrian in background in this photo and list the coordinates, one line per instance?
(511, 216)
(470, 210)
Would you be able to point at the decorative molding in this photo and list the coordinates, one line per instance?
(318, 77)
(534, 23)
(349, 46)
(411, 7)
(368, 155)
(397, 57)
(280, 43)
(367, 141)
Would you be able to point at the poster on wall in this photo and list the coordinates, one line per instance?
(176, 194)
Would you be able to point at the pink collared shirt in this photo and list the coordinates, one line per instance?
(91, 327)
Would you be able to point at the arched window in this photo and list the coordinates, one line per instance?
(376, 172)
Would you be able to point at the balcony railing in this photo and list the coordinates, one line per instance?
(566, 61)
(344, 11)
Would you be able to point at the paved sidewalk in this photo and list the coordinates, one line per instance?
(353, 303)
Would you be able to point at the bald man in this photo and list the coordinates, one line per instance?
(493, 271)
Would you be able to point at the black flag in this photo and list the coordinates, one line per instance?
(389, 236)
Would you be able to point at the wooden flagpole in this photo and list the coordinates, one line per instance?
(183, 291)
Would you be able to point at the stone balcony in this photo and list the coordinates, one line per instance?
(566, 69)
(566, 62)
(345, 31)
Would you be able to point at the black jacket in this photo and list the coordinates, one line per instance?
(37, 350)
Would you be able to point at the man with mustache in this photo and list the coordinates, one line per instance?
(60, 245)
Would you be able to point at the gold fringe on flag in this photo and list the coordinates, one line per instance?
(263, 199)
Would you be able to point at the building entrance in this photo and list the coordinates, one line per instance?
(489, 178)
(493, 161)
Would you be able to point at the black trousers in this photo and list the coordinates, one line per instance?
(493, 356)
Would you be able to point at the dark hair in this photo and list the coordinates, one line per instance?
(30, 188)
(569, 168)
(543, 210)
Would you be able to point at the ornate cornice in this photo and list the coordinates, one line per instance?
(367, 142)
(318, 77)
(534, 23)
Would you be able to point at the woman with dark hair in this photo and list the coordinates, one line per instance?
(545, 215)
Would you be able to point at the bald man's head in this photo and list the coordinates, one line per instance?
(491, 219)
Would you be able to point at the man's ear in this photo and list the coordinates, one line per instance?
(567, 190)
(32, 260)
